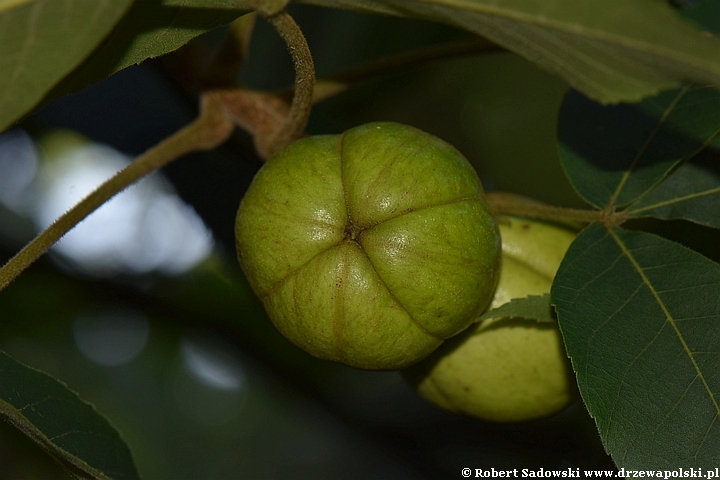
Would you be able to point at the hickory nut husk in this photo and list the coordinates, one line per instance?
(506, 369)
(371, 247)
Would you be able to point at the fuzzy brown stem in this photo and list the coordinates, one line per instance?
(294, 124)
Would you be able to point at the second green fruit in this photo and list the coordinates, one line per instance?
(506, 369)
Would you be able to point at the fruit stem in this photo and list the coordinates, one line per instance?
(504, 203)
(212, 127)
(294, 124)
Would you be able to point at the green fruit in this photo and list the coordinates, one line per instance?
(506, 370)
(371, 247)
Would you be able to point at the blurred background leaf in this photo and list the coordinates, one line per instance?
(149, 29)
(639, 317)
(618, 51)
(704, 12)
(42, 41)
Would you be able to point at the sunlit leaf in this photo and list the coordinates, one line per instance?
(532, 307)
(66, 427)
(613, 51)
(640, 316)
(151, 28)
(657, 158)
(41, 41)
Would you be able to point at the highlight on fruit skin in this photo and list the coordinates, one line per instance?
(369, 248)
(506, 370)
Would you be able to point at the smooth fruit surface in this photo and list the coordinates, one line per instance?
(371, 247)
(506, 370)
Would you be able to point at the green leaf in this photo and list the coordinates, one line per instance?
(151, 28)
(691, 193)
(41, 41)
(655, 158)
(66, 427)
(640, 317)
(532, 307)
(613, 51)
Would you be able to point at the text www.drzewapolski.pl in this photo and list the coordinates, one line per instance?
(578, 473)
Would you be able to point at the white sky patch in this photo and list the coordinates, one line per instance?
(145, 228)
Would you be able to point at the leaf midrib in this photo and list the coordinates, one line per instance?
(661, 121)
(673, 201)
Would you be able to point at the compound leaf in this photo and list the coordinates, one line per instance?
(656, 158)
(692, 192)
(613, 51)
(532, 307)
(66, 427)
(41, 41)
(640, 317)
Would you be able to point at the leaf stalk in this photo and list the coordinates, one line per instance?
(504, 203)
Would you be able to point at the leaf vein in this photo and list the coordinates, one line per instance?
(636, 357)
(648, 141)
(673, 201)
(675, 406)
(668, 317)
(705, 437)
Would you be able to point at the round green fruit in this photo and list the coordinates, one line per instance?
(507, 369)
(369, 248)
